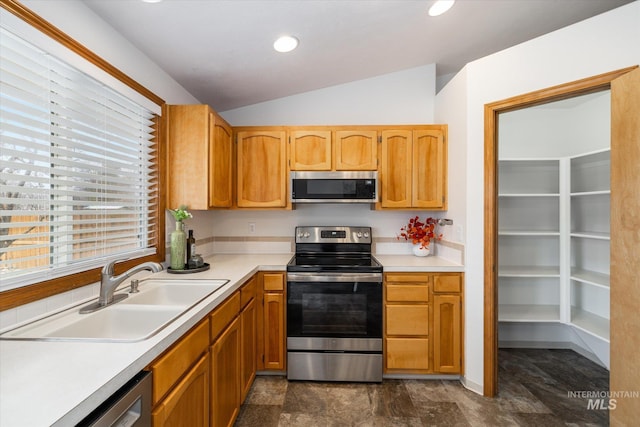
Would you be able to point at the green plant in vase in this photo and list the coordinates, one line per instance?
(179, 238)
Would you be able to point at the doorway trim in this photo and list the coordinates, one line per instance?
(491, 112)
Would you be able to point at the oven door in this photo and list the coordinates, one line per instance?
(334, 311)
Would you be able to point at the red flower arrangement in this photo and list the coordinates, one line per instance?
(420, 232)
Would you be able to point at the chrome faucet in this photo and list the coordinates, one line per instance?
(109, 283)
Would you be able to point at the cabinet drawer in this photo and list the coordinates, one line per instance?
(407, 277)
(248, 291)
(405, 319)
(447, 283)
(407, 353)
(224, 314)
(273, 281)
(170, 367)
(402, 293)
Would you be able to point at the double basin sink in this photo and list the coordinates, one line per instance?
(138, 317)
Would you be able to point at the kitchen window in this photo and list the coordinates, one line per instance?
(78, 169)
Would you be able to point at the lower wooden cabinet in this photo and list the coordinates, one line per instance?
(423, 323)
(204, 378)
(225, 376)
(272, 334)
(188, 403)
(181, 378)
(407, 324)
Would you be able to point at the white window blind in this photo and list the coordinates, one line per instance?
(78, 181)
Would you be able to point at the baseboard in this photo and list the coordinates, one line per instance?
(470, 385)
(420, 377)
(272, 373)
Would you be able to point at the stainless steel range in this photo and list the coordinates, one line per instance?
(334, 306)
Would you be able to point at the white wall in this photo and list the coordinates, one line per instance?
(604, 43)
(560, 129)
(404, 97)
(78, 21)
(450, 109)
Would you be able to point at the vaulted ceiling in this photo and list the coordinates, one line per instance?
(221, 50)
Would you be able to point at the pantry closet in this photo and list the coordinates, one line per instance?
(553, 226)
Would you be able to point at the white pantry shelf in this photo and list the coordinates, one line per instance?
(593, 324)
(528, 313)
(525, 233)
(529, 271)
(596, 235)
(591, 193)
(590, 277)
(533, 195)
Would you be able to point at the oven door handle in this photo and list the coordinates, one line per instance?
(335, 277)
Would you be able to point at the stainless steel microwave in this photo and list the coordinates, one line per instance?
(334, 187)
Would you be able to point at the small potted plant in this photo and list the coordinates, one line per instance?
(179, 238)
(420, 233)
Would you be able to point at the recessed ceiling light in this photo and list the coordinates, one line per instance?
(151, 1)
(285, 44)
(440, 7)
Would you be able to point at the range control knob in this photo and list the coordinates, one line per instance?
(359, 234)
(366, 234)
(306, 234)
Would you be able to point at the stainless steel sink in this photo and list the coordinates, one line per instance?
(138, 317)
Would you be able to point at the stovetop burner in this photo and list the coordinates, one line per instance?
(325, 249)
(319, 263)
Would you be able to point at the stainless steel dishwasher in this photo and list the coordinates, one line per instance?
(127, 407)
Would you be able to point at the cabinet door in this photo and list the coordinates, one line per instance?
(447, 337)
(188, 403)
(262, 169)
(247, 347)
(429, 169)
(310, 150)
(274, 335)
(395, 170)
(356, 150)
(221, 164)
(225, 376)
(188, 135)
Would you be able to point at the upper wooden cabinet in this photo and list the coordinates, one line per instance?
(413, 173)
(310, 150)
(356, 150)
(199, 158)
(262, 169)
(328, 149)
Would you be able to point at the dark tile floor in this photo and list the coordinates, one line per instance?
(533, 391)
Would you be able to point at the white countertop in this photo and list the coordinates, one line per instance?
(410, 263)
(46, 383)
